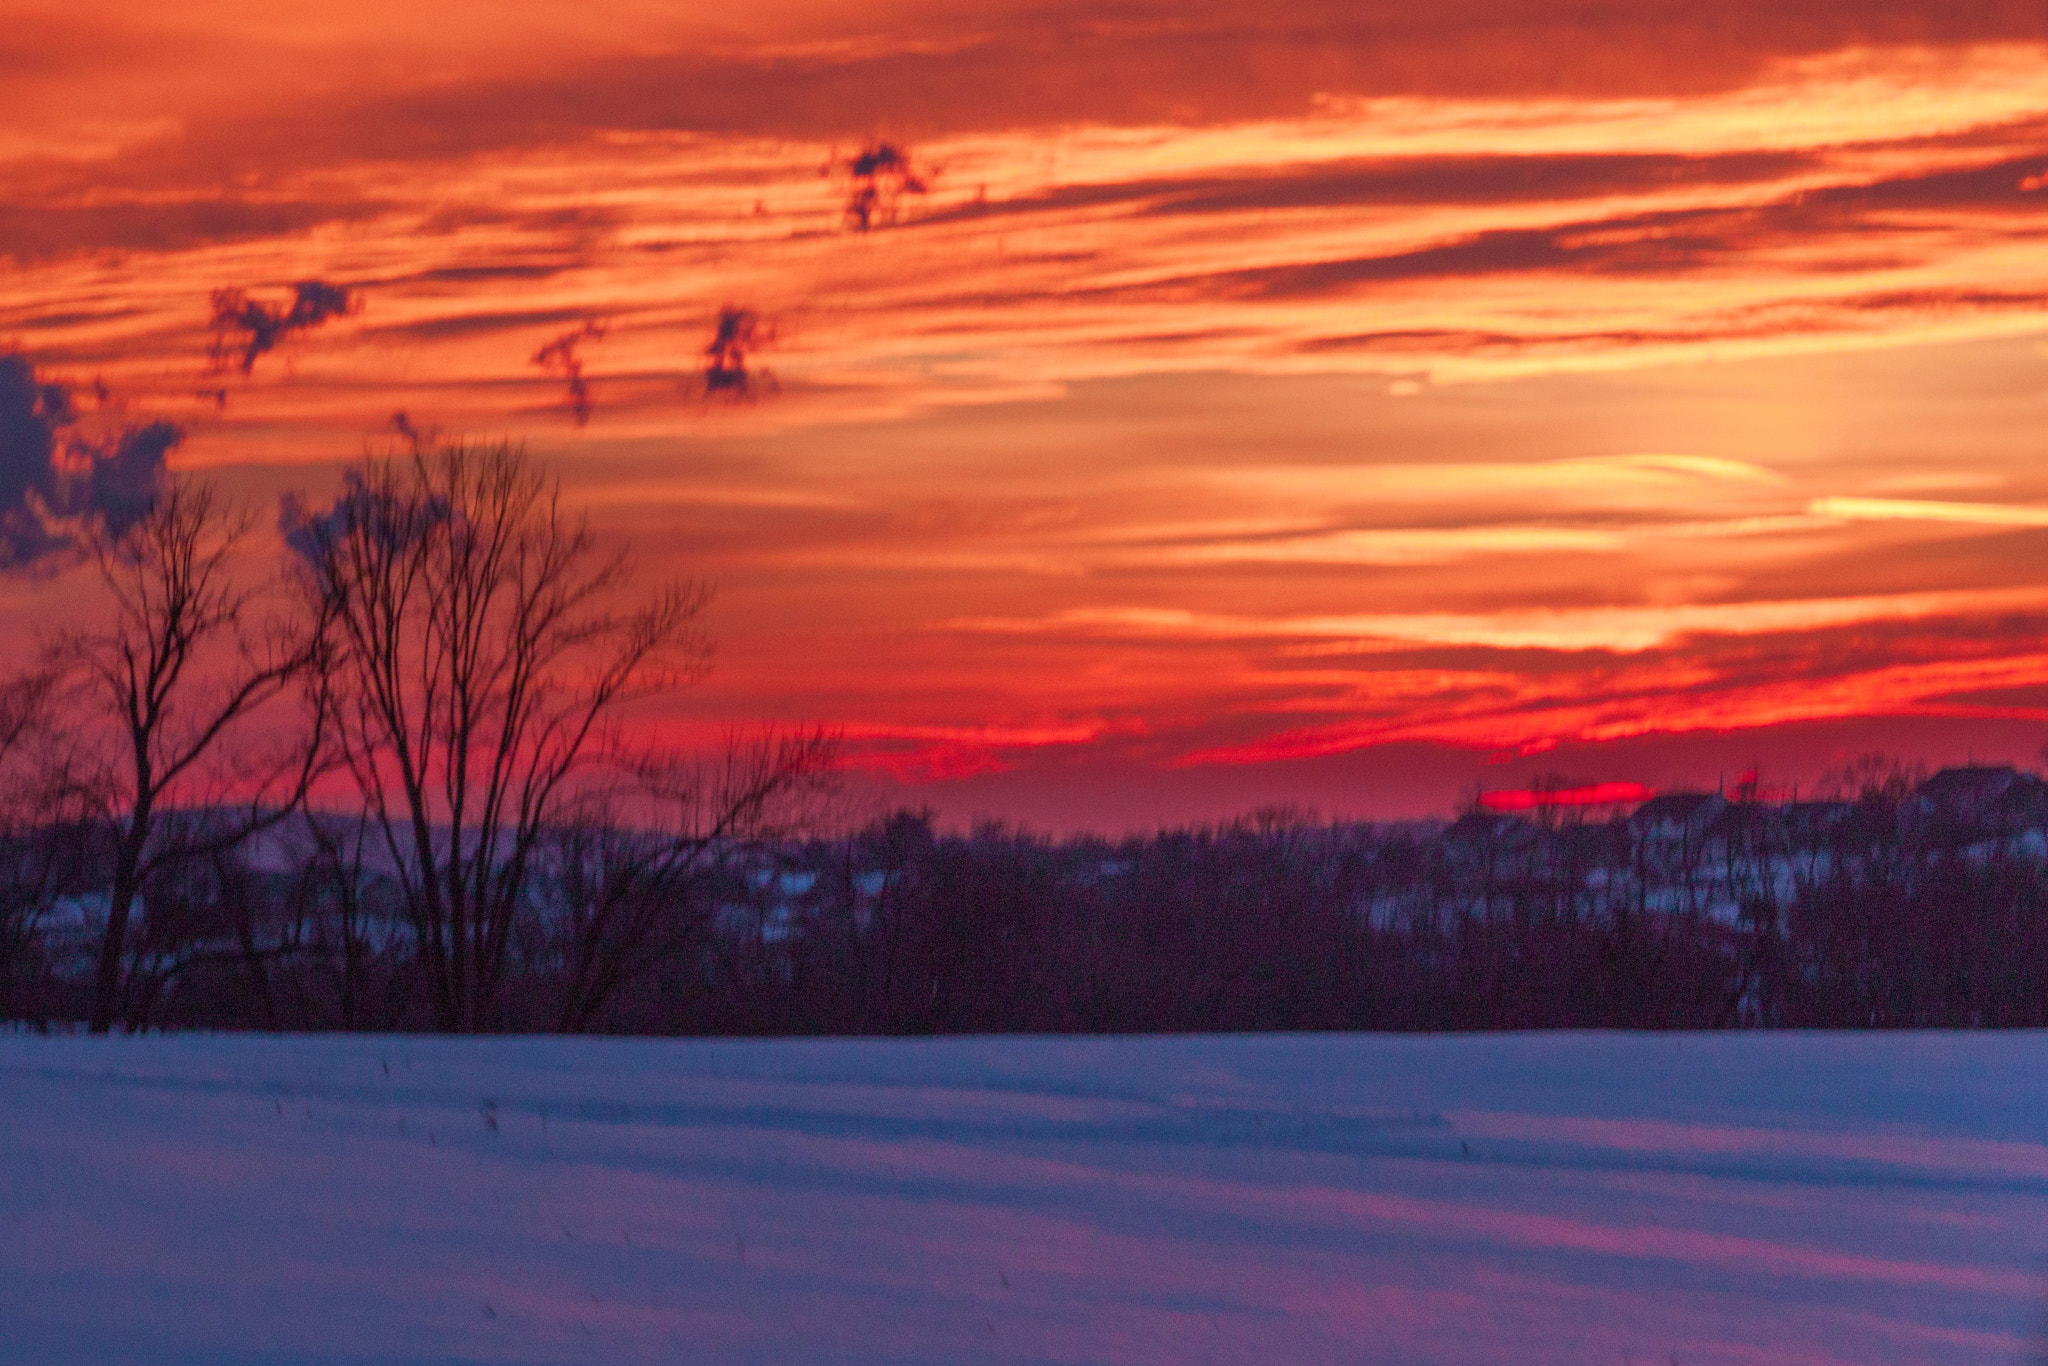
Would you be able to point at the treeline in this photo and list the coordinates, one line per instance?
(1895, 907)
(376, 774)
(1698, 913)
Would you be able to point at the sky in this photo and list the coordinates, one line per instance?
(1202, 405)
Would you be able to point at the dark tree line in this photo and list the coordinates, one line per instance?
(1869, 912)
(382, 784)
(1883, 909)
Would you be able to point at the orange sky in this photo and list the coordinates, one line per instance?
(1348, 403)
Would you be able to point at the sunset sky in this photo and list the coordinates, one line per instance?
(1353, 404)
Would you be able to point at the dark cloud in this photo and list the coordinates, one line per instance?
(31, 232)
(1498, 251)
(738, 333)
(469, 275)
(70, 318)
(559, 357)
(1869, 225)
(253, 328)
(56, 480)
(878, 176)
(70, 42)
(1398, 181)
(1992, 186)
(1194, 64)
(1029, 66)
(1421, 340)
(123, 478)
(417, 437)
(1438, 341)
(582, 218)
(1944, 300)
(1660, 243)
(476, 323)
(362, 508)
(1477, 180)
(33, 414)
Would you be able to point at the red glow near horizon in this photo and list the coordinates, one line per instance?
(1592, 794)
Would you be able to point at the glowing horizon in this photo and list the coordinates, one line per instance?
(1213, 394)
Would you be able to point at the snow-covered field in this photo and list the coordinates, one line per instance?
(1549, 1198)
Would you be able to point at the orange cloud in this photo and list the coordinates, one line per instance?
(1244, 384)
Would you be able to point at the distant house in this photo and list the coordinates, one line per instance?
(1970, 791)
(1682, 850)
(1595, 845)
(1677, 815)
(1480, 838)
(769, 904)
(1495, 860)
(1677, 831)
(1978, 807)
(1807, 824)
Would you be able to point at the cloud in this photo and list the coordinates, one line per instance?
(1926, 510)
(1418, 546)
(878, 177)
(475, 321)
(361, 508)
(1655, 482)
(253, 328)
(33, 413)
(56, 480)
(1630, 629)
(32, 232)
(738, 332)
(1590, 794)
(1393, 546)
(123, 477)
(1046, 65)
(559, 357)
(1137, 161)
(1670, 698)
(1798, 230)
(1847, 228)
(1394, 181)
(1662, 243)
(1998, 184)
(924, 753)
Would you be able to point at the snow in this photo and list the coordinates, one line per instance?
(1285, 1199)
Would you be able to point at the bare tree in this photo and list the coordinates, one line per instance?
(172, 685)
(43, 843)
(627, 889)
(335, 872)
(480, 651)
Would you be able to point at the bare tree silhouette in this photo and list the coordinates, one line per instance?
(479, 655)
(44, 845)
(174, 682)
(628, 891)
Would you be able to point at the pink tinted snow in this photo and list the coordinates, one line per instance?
(1283, 1199)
